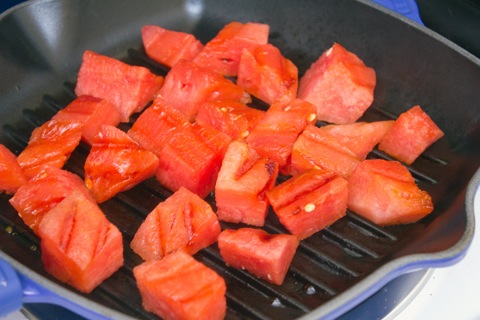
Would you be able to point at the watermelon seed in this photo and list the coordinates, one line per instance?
(309, 207)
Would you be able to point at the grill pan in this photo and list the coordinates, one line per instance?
(337, 268)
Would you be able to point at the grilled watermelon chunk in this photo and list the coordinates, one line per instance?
(309, 202)
(43, 192)
(241, 185)
(184, 221)
(11, 174)
(92, 112)
(266, 74)
(180, 287)
(52, 143)
(79, 245)
(116, 163)
(385, 192)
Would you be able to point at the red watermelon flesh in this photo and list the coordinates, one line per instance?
(79, 245)
(178, 287)
(129, 88)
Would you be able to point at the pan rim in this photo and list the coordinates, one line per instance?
(355, 294)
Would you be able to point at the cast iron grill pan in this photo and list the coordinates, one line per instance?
(328, 264)
(325, 265)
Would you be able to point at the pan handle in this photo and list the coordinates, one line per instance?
(407, 8)
(17, 289)
(10, 289)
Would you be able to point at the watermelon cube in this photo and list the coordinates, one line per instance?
(184, 221)
(179, 287)
(129, 88)
(309, 202)
(265, 255)
(339, 84)
(168, 46)
(79, 245)
(410, 135)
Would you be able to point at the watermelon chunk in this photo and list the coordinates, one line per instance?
(116, 163)
(265, 73)
(242, 182)
(410, 135)
(188, 156)
(231, 117)
(309, 202)
(52, 143)
(11, 174)
(180, 287)
(279, 128)
(188, 85)
(79, 245)
(265, 255)
(360, 137)
(92, 113)
(222, 53)
(183, 221)
(385, 192)
(129, 88)
(154, 125)
(168, 46)
(316, 147)
(339, 84)
(43, 192)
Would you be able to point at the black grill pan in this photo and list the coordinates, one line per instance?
(41, 47)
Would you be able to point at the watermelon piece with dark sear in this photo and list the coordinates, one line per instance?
(309, 202)
(116, 163)
(316, 147)
(43, 192)
(51, 143)
(92, 112)
(243, 179)
(183, 221)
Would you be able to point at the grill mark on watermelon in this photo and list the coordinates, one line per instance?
(188, 213)
(103, 234)
(160, 242)
(68, 227)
